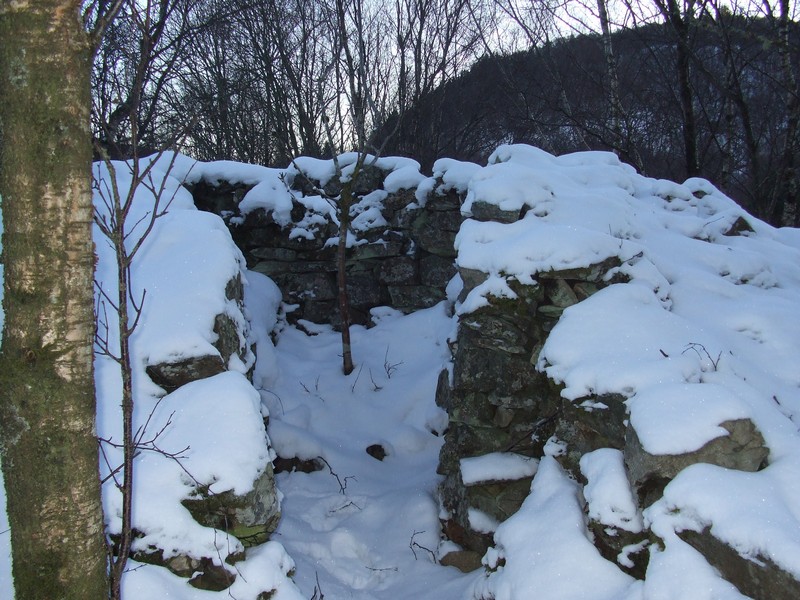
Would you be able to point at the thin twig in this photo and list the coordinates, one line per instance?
(390, 368)
(318, 595)
(414, 544)
(342, 482)
(375, 386)
(695, 345)
(353, 388)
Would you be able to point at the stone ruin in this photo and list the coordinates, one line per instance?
(251, 517)
(405, 261)
(496, 400)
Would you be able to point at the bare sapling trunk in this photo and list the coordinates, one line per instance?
(112, 217)
(345, 202)
(787, 193)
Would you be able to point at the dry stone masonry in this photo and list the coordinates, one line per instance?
(505, 408)
(250, 517)
(402, 257)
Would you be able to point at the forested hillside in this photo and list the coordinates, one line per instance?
(557, 95)
(676, 89)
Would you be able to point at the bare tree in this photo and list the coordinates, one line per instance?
(787, 188)
(681, 19)
(435, 40)
(135, 68)
(126, 235)
(358, 99)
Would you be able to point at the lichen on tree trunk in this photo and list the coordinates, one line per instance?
(47, 407)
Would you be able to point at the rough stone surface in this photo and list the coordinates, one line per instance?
(500, 499)
(230, 341)
(377, 451)
(436, 271)
(743, 450)
(398, 271)
(218, 197)
(301, 287)
(498, 402)
(204, 574)
(484, 211)
(211, 577)
(465, 561)
(759, 578)
(297, 464)
(171, 376)
(611, 541)
(251, 517)
(406, 264)
(590, 428)
(412, 297)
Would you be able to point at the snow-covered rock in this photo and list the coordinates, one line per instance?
(204, 488)
(639, 337)
(622, 415)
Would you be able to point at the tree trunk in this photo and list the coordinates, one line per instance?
(47, 405)
(681, 22)
(687, 107)
(611, 73)
(787, 194)
(345, 202)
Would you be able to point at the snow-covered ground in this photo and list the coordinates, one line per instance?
(365, 528)
(705, 331)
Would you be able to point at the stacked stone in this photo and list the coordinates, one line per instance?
(498, 402)
(250, 517)
(405, 263)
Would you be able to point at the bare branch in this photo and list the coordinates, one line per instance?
(414, 544)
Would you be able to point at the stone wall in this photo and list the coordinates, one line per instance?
(501, 409)
(499, 403)
(500, 406)
(405, 260)
(250, 517)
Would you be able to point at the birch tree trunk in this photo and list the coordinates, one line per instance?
(47, 406)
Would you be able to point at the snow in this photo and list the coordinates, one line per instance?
(218, 419)
(755, 513)
(313, 168)
(529, 246)
(366, 214)
(6, 578)
(262, 300)
(407, 177)
(695, 409)
(208, 432)
(454, 174)
(351, 526)
(272, 195)
(267, 567)
(497, 466)
(607, 493)
(704, 331)
(679, 572)
(546, 550)
(6, 581)
(187, 251)
(481, 522)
